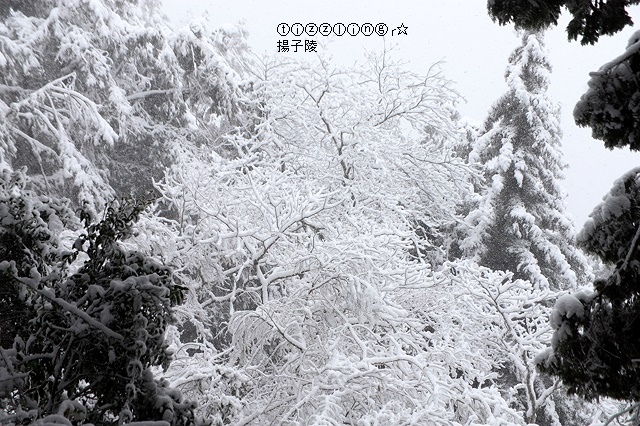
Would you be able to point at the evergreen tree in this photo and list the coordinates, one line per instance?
(595, 347)
(79, 346)
(519, 222)
(610, 106)
(612, 103)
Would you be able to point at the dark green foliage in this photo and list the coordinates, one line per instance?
(611, 106)
(84, 342)
(590, 19)
(595, 349)
(597, 352)
(614, 222)
(599, 357)
(529, 15)
(26, 234)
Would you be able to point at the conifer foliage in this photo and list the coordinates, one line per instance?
(79, 347)
(590, 19)
(519, 221)
(595, 346)
(612, 104)
(301, 212)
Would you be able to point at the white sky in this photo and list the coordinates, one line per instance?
(474, 50)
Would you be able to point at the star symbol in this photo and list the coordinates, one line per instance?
(402, 29)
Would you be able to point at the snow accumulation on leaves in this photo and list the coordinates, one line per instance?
(594, 347)
(566, 306)
(611, 226)
(612, 103)
(302, 208)
(104, 322)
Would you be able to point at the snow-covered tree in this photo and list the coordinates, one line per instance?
(519, 222)
(595, 345)
(510, 317)
(302, 239)
(97, 97)
(79, 347)
(516, 222)
(612, 103)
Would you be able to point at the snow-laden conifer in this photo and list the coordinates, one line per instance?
(519, 222)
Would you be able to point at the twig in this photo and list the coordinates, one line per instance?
(626, 410)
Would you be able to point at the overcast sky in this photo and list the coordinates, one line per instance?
(474, 51)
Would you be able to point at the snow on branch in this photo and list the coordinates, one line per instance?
(32, 283)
